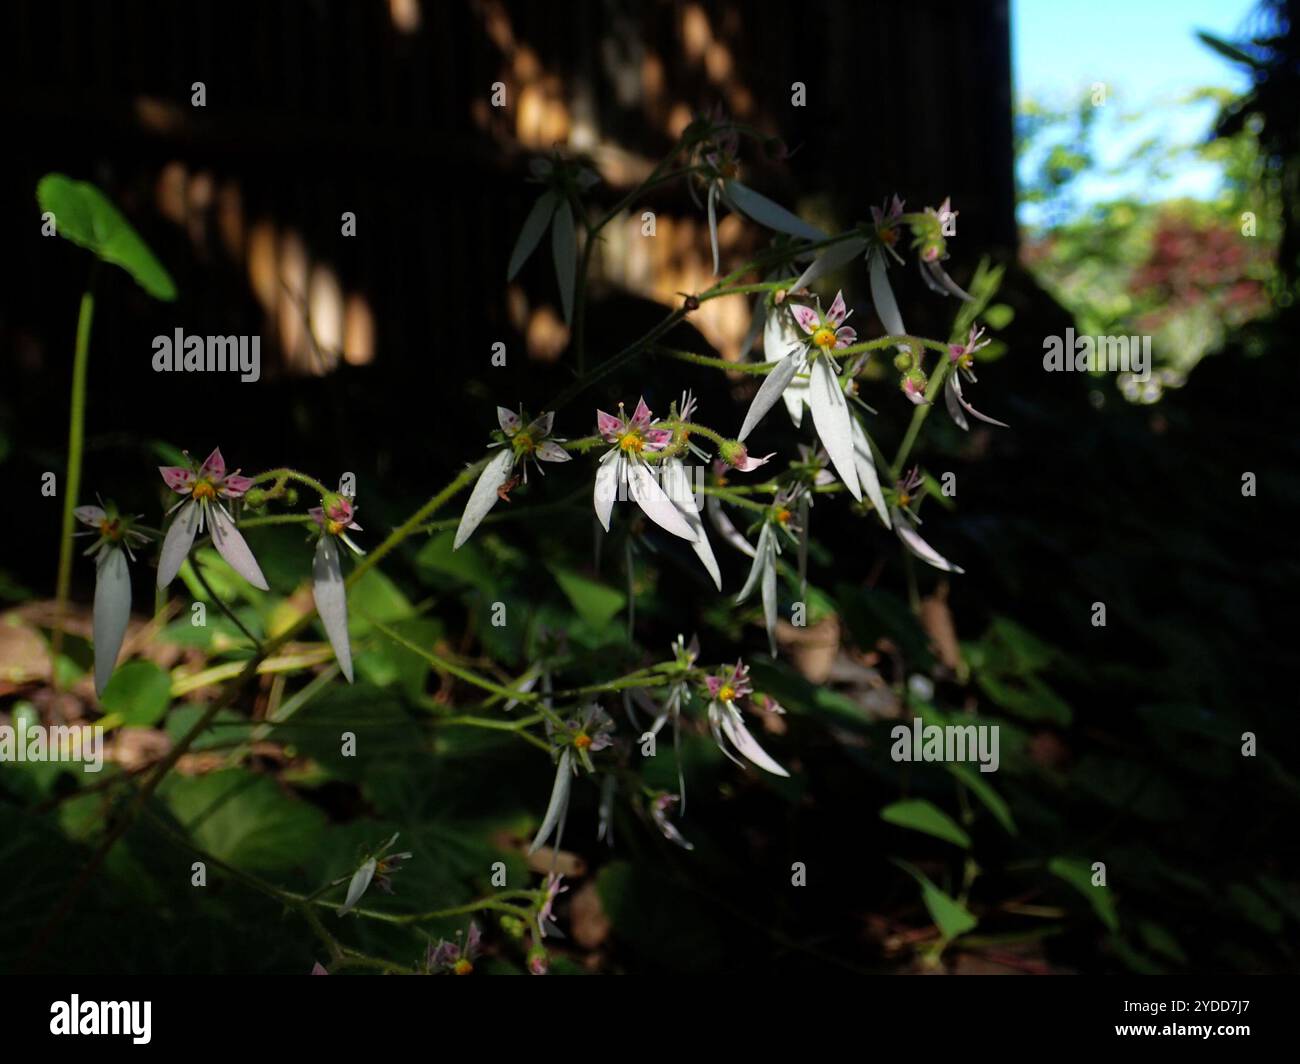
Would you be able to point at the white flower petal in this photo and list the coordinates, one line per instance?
(550, 451)
(830, 413)
(832, 258)
(648, 495)
(559, 803)
(762, 556)
(913, 542)
(178, 541)
(531, 233)
(770, 391)
(773, 215)
(484, 496)
(677, 484)
(723, 525)
(330, 593)
(111, 614)
(769, 597)
(865, 462)
(743, 741)
(608, 478)
(230, 545)
(360, 881)
(780, 337)
(883, 296)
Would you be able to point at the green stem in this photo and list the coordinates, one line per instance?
(918, 419)
(72, 478)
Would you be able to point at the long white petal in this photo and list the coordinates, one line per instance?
(760, 553)
(779, 339)
(769, 597)
(773, 215)
(112, 612)
(913, 542)
(485, 495)
(230, 545)
(648, 495)
(723, 525)
(531, 233)
(559, 803)
(677, 484)
(830, 413)
(832, 258)
(743, 741)
(360, 881)
(564, 249)
(607, 482)
(331, 600)
(770, 391)
(883, 296)
(865, 462)
(177, 543)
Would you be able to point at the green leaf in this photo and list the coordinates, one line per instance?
(595, 602)
(921, 815)
(84, 215)
(564, 250)
(949, 915)
(139, 693)
(982, 790)
(1078, 873)
(246, 820)
(531, 233)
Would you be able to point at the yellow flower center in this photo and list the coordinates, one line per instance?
(904, 498)
(824, 337)
(783, 516)
(726, 693)
(524, 443)
(631, 443)
(463, 967)
(582, 741)
(204, 490)
(335, 527)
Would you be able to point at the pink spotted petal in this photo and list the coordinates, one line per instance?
(608, 425)
(213, 467)
(508, 420)
(178, 478)
(714, 684)
(838, 311)
(657, 439)
(549, 451)
(542, 426)
(234, 485)
(846, 335)
(806, 317)
(642, 417)
(317, 514)
(89, 515)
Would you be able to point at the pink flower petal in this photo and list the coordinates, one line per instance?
(657, 439)
(214, 466)
(641, 418)
(838, 311)
(89, 515)
(846, 335)
(608, 425)
(234, 485)
(178, 478)
(806, 317)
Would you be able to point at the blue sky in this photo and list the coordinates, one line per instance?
(1147, 54)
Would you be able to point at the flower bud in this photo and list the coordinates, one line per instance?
(254, 498)
(903, 361)
(539, 963)
(733, 452)
(512, 926)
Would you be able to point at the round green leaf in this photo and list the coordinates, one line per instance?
(88, 218)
